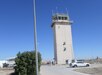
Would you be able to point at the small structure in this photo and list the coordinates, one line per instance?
(7, 63)
(2, 62)
(11, 62)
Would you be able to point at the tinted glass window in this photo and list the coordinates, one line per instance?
(65, 18)
(59, 18)
(79, 62)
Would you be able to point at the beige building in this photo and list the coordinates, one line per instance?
(63, 49)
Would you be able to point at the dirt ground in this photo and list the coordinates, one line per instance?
(96, 70)
(6, 71)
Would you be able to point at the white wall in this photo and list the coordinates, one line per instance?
(63, 34)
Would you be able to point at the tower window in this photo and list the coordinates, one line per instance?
(64, 43)
(56, 18)
(59, 18)
(64, 49)
(65, 18)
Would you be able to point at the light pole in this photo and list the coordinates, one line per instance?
(35, 36)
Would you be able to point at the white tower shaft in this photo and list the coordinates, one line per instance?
(63, 52)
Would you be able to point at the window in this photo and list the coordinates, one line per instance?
(65, 18)
(64, 49)
(54, 18)
(62, 18)
(59, 18)
(64, 43)
(79, 62)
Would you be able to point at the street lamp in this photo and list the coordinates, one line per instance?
(35, 36)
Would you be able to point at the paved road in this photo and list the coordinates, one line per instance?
(58, 70)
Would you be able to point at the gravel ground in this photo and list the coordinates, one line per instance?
(96, 69)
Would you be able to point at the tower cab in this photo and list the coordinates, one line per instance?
(60, 18)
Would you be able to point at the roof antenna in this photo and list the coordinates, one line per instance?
(52, 13)
(57, 10)
(67, 12)
(57, 13)
(68, 16)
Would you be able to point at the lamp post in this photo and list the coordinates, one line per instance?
(35, 36)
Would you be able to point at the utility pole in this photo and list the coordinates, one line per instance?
(35, 37)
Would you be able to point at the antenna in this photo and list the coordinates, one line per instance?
(67, 12)
(57, 10)
(68, 16)
(52, 13)
(57, 13)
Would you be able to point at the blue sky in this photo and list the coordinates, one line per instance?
(17, 29)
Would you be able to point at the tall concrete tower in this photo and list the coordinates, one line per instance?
(63, 49)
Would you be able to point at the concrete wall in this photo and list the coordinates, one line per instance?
(63, 43)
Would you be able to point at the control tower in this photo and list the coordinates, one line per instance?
(63, 48)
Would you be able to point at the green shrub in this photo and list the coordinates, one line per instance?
(26, 63)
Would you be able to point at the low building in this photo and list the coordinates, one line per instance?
(7, 63)
(2, 62)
